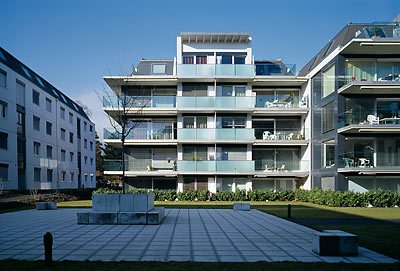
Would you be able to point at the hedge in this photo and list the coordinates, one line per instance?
(376, 198)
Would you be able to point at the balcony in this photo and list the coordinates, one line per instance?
(369, 161)
(365, 79)
(273, 167)
(383, 119)
(142, 134)
(281, 136)
(220, 167)
(215, 135)
(141, 167)
(215, 70)
(158, 102)
(216, 103)
(275, 69)
(380, 30)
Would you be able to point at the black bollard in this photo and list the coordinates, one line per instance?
(289, 211)
(48, 248)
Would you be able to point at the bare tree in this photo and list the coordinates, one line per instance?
(125, 113)
(85, 108)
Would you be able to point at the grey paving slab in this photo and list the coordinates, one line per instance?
(204, 235)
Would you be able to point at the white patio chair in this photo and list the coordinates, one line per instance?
(290, 136)
(266, 135)
(273, 137)
(372, 119)
(282, 168)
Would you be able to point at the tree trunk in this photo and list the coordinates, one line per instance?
(123, 164)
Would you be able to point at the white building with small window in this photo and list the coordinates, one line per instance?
(44, 135)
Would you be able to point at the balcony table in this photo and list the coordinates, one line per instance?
(393, 120)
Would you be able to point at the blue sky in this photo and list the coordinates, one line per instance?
(74, 43)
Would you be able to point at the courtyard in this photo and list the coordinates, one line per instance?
(199, 235)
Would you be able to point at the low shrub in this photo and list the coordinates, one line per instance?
(376, 198)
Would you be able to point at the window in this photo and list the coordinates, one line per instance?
(328, 81)
(91, 145)
(71, 157)
(91, 178)
(35, 97)
(328, 183)
(49, 152)
(231, 122)
(85, 177)
(85, 160)
(48, 105)
(36, 148)
(71, 176)
(226, 60)
(201, 59)
(3, 140)
(20, 118)
(240, 59)
(233, 91)
(85, 143)
(84, 126)
(91, 161)
(328, 117)
(159, 68)
(63, 152)
(3, 78)
(20, 91)
(62, 113)
(26, 72)
(188, 60)
(4, 172)
(63, 173)
(194, 89)
(329, 153)
(40, 81)
(3, 109)
(36, 174)
(36, 123)
(71, 118)
(49, 175)
(91, 128)
(62, 134)
(48, 127)
(71, 137)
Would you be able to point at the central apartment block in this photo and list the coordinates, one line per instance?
(215, 118)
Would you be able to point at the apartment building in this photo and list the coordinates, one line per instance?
(355, 86)
(46, 139)
(214, 118)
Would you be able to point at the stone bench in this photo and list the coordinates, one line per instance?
(335, 243)
(241, 206)
(43, 205)
(123, 209)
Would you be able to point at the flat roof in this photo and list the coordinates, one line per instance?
(215, 37)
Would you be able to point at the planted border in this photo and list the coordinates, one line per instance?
(375, 198)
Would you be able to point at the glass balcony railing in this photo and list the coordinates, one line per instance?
(289, 134)
(210, 134)
(367, 116)
(269, 102)
(140, 165)
(381, 30)
(219, 102)
(212, 70)
(380, 73)
(369, 160)
(271, 165)
(141, 134)
(140, 102)
(276, 69)
(220, 166)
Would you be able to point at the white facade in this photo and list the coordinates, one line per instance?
(37, 142)
(234, 123)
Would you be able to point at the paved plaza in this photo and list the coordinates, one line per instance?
(204, 235)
